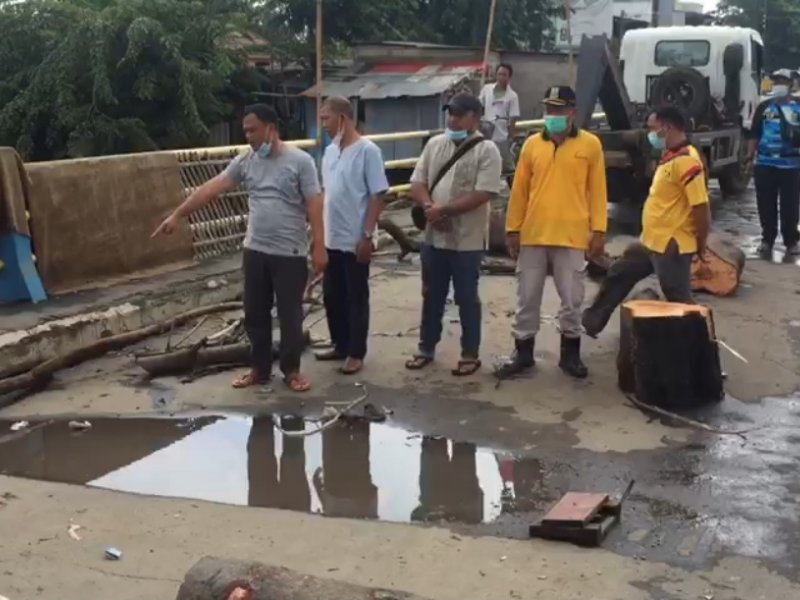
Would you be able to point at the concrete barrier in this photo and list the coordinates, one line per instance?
(91, 219)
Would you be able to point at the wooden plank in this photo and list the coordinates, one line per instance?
(575, 508)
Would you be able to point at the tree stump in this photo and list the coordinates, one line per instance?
(218, 579)
(720, 271)
(668, 354)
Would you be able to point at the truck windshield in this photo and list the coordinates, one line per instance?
(682, 53)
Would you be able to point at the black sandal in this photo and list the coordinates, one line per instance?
(418, 362)
(466, 367)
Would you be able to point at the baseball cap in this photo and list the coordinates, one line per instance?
(781, 74)
(462, 103)
(559, 95)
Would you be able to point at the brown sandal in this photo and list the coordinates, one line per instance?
(247, 380)
(297, 383)
(466, 367)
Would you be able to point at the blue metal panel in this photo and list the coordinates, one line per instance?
(19, 279)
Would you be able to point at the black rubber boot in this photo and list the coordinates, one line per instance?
(520, 361)
(571, 362)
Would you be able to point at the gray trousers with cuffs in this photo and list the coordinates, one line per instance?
(567, 270)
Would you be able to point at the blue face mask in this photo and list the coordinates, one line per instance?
(656, 142)
(264, 150)
(556, 124)
(456, 136)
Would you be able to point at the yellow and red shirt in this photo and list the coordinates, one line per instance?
(679, 185)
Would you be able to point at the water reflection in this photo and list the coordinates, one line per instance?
(271, 486)
(344, 482)
(362, 470)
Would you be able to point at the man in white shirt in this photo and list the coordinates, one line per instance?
(501, 108)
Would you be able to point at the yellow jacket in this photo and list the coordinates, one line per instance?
(559, 196)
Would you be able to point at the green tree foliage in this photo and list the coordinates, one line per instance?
(519, 24)
(778, 21)
(89, 77)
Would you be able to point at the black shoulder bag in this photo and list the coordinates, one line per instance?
(417, 212)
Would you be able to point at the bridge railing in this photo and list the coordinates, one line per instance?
(219, 228)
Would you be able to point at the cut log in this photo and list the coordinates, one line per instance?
(671, 358)
(626, 378)
(407, 244)
(185, 360)
(720, 271)
(41, 374)
(218, 578)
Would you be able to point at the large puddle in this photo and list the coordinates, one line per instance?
(694, 502)
(359, 469)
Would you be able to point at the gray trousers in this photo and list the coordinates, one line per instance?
(673, 269)
(532, 267)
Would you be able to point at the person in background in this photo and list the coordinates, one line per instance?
(455, 198)
(283, 198)
(675, 224)
(556, 215)
(777, 166)
(501, 107)
(354, 181)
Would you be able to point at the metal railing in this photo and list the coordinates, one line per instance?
(219, 228)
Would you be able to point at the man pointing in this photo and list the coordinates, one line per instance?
(283, 198)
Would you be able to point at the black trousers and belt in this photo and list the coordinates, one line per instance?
(345, 289)
(268, 280)
(778, 198)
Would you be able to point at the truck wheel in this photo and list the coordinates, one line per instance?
(734, 179)
(683, 87)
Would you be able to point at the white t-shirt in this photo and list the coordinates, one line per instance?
(499, 107)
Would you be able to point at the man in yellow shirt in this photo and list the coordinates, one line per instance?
(675, 224)
(557, 212)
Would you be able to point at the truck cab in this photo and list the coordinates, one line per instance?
(722, 67)
(712, 74)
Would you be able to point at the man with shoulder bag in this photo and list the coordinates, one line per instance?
(456, 176)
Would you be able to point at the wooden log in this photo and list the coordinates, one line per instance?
(185, 360)
(218, 579)
(720, 271)
(407, 244)
(672, 353)
(626, 378)
(41, 374)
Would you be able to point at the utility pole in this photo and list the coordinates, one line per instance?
(488, 46)
(319, 76)
(571, 53)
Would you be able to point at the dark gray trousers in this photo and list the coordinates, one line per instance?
(270, 279)
(673, 269)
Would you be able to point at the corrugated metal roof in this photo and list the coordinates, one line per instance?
(395, 81)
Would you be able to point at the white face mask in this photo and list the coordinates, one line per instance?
(780, 91)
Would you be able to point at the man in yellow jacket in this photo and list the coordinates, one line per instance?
(675, 224)
(557, 213)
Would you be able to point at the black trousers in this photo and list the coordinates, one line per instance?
(269, 278)
(345, 289)
(778, 192)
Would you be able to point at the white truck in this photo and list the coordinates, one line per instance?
(712, 73)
